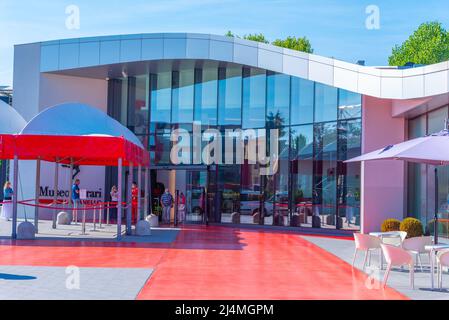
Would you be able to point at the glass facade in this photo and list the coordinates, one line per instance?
(421, 178)
(319, 128)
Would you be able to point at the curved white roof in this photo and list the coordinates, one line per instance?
(387, 82)
(11, 121)
(77, 119)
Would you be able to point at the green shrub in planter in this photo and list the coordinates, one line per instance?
(443, 227)
(412, 226)
(390, 225)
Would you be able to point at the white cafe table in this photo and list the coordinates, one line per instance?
(381, 236)
(434, 248)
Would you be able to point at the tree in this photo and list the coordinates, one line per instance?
(256, 37)
(230, 34)
(299, 44)
(428, 44)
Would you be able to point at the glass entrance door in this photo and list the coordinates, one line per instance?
(196, 196)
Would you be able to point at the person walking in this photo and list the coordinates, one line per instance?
(167, 203)
(76, 199)
(8, 193)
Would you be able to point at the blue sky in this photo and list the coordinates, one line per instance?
(335, 28)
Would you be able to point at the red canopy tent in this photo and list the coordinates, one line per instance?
(93, 150)
(81, 150)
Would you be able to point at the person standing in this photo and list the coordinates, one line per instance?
(114, 202)
(181, 207)
(167, 203)
(134, 202)
(8, 193)
(76, 198)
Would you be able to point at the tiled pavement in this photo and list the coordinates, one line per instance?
(59, 283)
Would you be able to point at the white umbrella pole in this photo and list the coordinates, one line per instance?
(435, 224)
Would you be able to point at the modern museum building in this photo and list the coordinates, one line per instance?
(324, 111)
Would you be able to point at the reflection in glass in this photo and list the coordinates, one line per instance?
(250, 194)
(302, 99)
(138, 107)
(254, 94)
(436, 120)
(230, 96)
(325, 166)
(206, 96)
(277, 186)
(349, 104)
(325, 103)
(278, 99)
(417, 175)
(162, 144)
(348, 183)
(182, 96)
(161, 97)
(302, 174)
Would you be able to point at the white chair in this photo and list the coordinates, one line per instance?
(367, 243)
(442, 261)
(398, 257)
(416, 246)
(396, 240)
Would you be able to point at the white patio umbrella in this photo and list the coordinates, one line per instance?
(432, 149)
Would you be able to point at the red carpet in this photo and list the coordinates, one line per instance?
(214, 263)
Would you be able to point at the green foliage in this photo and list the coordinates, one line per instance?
(299, 44)
(428, 44)
(230, 34)
(256, 37)
(412, 226)
(443, 227)
(390, 225)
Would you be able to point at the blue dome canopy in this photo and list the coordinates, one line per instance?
(77, 119)
(11, 121)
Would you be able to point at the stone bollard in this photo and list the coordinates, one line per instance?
(143, 228)
(153, 220)
(64, 218)
(26, 231)
(235, 218)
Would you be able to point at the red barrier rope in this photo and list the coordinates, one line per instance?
(99, 205)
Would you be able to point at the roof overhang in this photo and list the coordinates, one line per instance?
(108, 56)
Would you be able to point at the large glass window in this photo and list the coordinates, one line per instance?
(278, 99)
(206, 90)
(349, 105)
(230, 96)
(348, 176)
(302, 174)
(182, 96)
(138, 105)
(319, 128)
(325, 103)
(254, 98)
(325, 172)
(302, 99)
(436, 120)
(161, 84)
